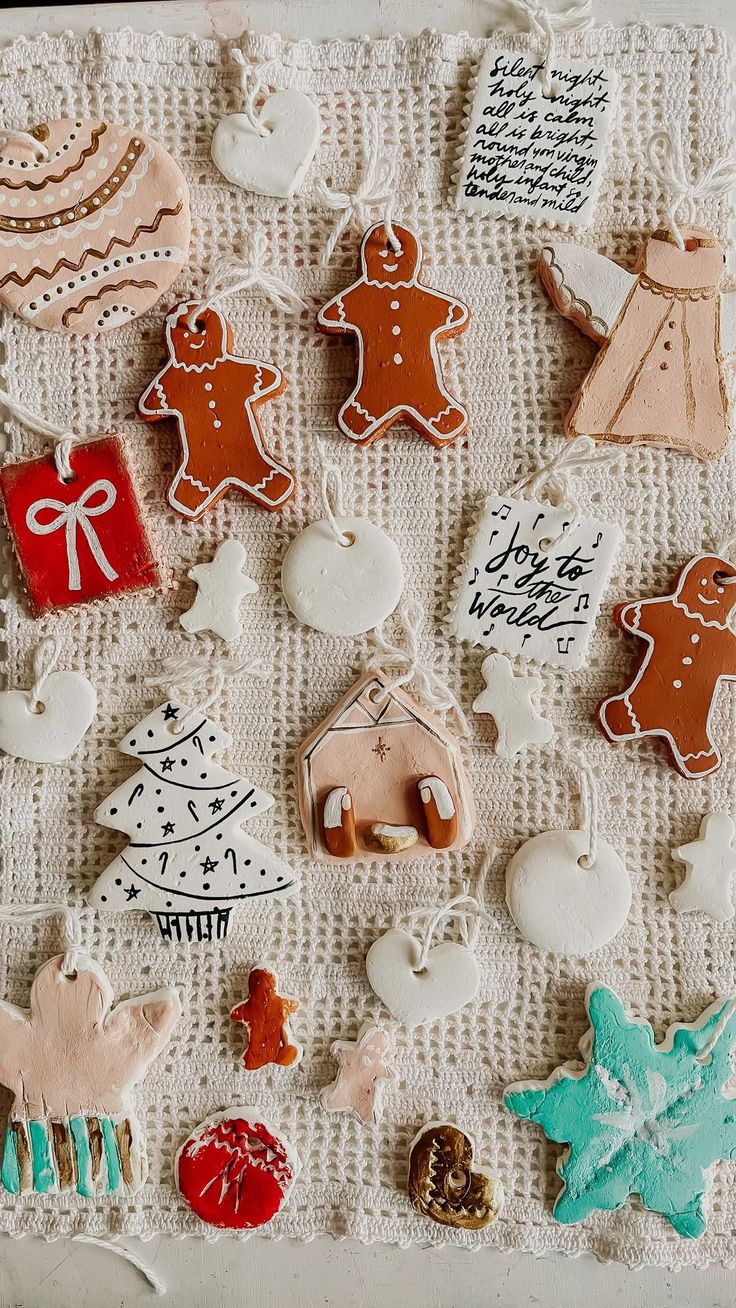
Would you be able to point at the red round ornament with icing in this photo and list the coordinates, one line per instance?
(235, 1171)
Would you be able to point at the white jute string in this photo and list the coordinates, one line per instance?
(667, 162)
(548, 26)
(374, 190)
(61, 436)
(231, 274)
(154, 1280)
(45, 658)
(554, 480)
(588, 810)
(14, 914)
(705, 1051)
(252, 81)
(469, 928)
(331, 488)
(27, 138)
(182, 674)
(461, 907)
(433, 690)
(726, 550)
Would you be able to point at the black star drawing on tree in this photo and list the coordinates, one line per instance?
(188, 862)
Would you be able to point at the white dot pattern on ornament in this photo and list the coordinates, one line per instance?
(515, 368)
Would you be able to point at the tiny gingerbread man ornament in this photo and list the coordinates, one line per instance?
(690, 649)
(710, 863)
(397, 323)
(216, 396)
(508, 699)
(221, 586)
(362, 1074)
(265, 1014)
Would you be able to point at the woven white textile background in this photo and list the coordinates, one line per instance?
(516, 369)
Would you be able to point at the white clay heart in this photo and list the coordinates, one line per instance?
(275, 164)
(448, 982)
(564, 907)
(69, 705)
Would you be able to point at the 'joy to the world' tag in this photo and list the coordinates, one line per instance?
(531, 587)
(528, 153)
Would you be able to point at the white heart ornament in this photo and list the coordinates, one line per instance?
(449, 980)
(275, 164)
(69, 703)
(559, 904)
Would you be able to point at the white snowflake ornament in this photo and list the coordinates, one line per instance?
(222, 585)
(508, 700)
(710, 861)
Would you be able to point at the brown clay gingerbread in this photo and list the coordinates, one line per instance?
(397, 322)
(690, 650)
(266, 1015)
(215, 396)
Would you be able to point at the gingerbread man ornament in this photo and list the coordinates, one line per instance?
(397, 323)
(266, 1015)
(690, 650)
(215, 396)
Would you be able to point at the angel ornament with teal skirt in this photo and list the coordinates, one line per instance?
(71, 1062)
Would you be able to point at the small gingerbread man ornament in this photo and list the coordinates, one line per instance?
(361, 1075)
(690, 650)
(266, 1015)
(215, 396)
(397, 323)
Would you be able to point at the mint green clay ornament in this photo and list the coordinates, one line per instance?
(637, 1117)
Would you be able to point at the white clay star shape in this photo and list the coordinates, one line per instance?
(221, 587)
(508, 699)
(710, 861)
(361, 1073)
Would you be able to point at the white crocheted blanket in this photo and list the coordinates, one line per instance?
(516, 369)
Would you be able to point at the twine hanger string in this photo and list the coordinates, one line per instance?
(548, 26)
(27, 914)
(40, 150)
(331, 492)
(464, 908)
(667, 161)
(374, 189)
(186, 674)
(554, 480)
(45, 658)
(433, 689)
(588, 810)
(253, 78)
(62, 437)
(231, 274)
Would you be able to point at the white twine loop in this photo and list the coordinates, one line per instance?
(667, 162)
(374, 190)
(331, 488)
(74, 517)
(553, 478)
(71, 925)
(461, 907)
(469, 928)
(45, 659)
(548, 26)
(705, 1051)
(61, 436)
(725, 551)
(189, 673)
(27, 138)
(252, 81)
(434, 691)
(154, 1280)
(231, 274)
(588, 810)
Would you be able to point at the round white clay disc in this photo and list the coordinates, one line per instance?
(342, 590)
(559, 905)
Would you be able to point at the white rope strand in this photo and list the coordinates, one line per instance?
(230, 275)
(460, 906)
(553, 478)
(667, 162)
(45, 659)
(433, 690)
(705, 1051)
(588, 810)
(27, 914)
(374, 190)
(154, 1280)
(548, 26)
(182, 674)
(331, 488)
(61, 436)
(252, 81)
(26, 138)
(469, 929)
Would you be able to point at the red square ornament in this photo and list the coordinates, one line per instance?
(80, 539)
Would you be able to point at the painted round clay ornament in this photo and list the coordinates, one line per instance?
(446, 1184)
(46, 723)
(94, 224)
(269, 154)
(345, 581)
(560, 904)
(235, 1170)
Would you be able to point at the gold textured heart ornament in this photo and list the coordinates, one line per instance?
(443, 1183)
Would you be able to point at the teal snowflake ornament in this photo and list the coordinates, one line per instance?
(637, 1117)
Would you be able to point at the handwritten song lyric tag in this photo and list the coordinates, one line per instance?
(532, 155)
(522, 595)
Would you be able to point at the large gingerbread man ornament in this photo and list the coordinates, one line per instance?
(215, 396)
(266, 1015)
(397, 323)
(690, 650)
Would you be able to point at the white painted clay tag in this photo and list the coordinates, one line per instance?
(524, 591)
(342, 587)
(531, 155)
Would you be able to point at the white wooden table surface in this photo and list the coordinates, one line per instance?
(261, 1273)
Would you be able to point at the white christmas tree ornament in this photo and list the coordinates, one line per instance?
(221, 586)
(188, 863)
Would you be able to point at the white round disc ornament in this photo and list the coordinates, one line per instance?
(50, 733)
(560, 904)
(342, 589)
(273, 161)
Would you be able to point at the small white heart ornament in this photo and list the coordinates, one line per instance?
(275, 164)
(448, 982)
(559, 904)
(68, 703)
